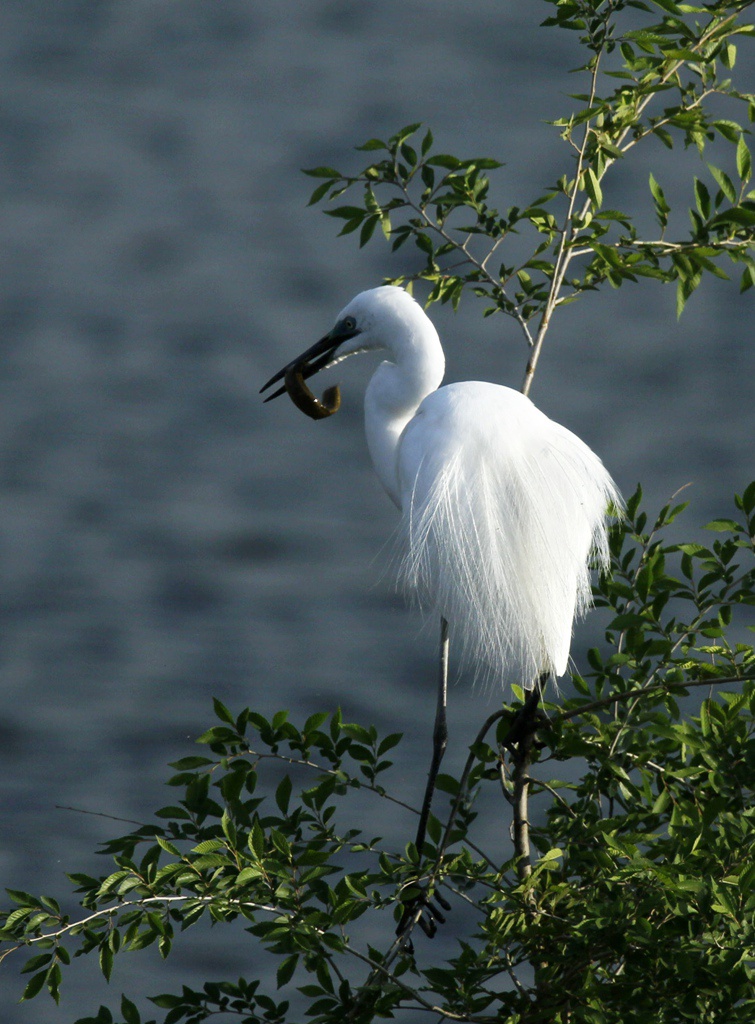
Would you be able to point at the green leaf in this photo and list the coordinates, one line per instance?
(724, 183)
(369, 145)
(702, 198)
(666, 137)
(314, 721)
(286, 970)
(222, 712)
(188, 763)
(592, 187)
(705, 718)
(348, 213)
(729, 55)
(106, 961)
(168, 847)
(319, 192)
(744, 160)
(357, 732)
(723, 526)
(662, 801)
(34, 986)
(249, 874)
(748, 498)
(738, 215)
(730, 130)
(389, 742)
(229, 827)
(368, 230)
(53, 978)
(451, 163)
(409, 154)
(385, 224)
(669, 6)
(662, 208)
(423, 242)
(322, 172)
(404, 133)
(283, 794)
(129, 1011)
(256, 840)
(447, 784)
(280, 842)
(208, 846)
(35, 962)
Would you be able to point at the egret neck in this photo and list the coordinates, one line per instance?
(413, 370)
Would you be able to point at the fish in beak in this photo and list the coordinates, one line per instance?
(321, 355)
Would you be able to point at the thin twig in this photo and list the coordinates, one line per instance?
(303, 763)
(480, 265)
(568, 233)
(563, 255)
(596, 705)
(128, 904)
(100, 814)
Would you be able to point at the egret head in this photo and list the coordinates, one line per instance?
(369, 321)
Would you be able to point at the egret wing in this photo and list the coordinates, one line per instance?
(501, 508)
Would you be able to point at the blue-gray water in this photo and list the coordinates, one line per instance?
(166, 537)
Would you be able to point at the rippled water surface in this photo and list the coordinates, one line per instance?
(165, 537)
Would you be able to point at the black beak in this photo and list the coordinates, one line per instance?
(316, 358)
(308, 363)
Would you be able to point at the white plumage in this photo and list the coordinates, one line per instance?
(501, 514)
(501, 507)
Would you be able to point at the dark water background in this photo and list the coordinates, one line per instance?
(165, 537)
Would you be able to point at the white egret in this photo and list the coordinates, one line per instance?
(501, 507)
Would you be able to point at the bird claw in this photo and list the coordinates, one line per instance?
(423, 911)
(524, 723)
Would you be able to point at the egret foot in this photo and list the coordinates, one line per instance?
(526, 720)
(424, 912)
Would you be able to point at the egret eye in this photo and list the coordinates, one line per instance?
(349, 323)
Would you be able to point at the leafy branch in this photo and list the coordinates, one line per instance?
(630, 897)
(654, 833)
(441, 202)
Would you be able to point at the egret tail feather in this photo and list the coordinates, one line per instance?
(498, 544)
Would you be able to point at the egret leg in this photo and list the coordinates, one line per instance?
(440, 736)
(519, 742)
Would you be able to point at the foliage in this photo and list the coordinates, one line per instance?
(643, 82)
(631, 899)
(639, 905)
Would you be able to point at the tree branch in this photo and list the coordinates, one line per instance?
(616, 698)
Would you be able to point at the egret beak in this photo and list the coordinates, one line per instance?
(316, 358)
